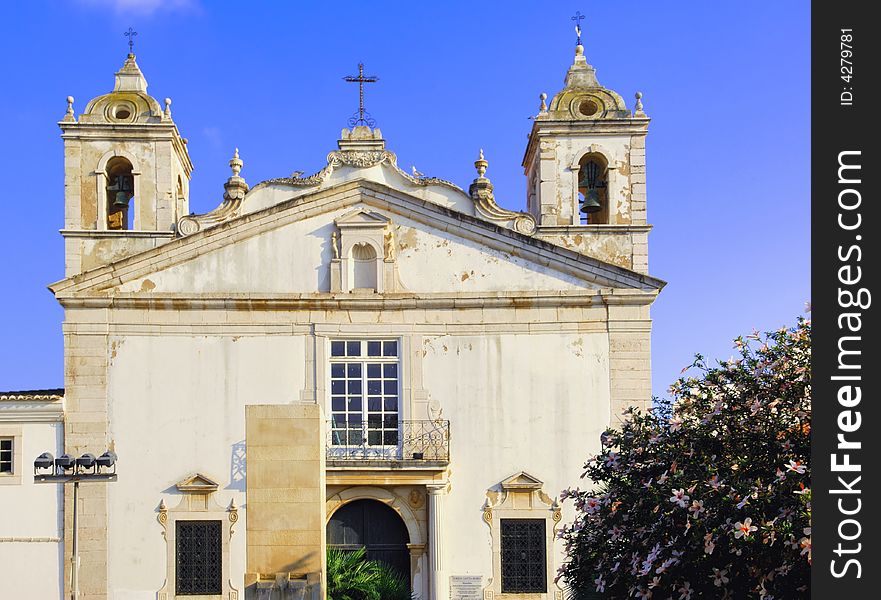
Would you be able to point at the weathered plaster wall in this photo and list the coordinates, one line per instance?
(535, 403)
(178, 408)
(31, 518)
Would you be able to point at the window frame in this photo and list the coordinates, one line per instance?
(13, 434)
(217, 588)
(541, 538)
(362, 423)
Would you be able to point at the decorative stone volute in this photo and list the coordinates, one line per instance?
(234, 193)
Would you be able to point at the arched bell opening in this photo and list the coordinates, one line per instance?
(120, 190)
(377, 528)
(593, 189)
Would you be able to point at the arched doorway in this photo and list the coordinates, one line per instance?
(376, 527)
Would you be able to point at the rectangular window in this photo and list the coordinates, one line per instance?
(364, 384)
(524, 568)
(6, 456)
(199, 553)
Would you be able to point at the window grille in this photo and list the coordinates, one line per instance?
(524, 568)
(199, 553)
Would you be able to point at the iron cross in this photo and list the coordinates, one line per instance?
(578, 18)
(130, 34)
(363, 118)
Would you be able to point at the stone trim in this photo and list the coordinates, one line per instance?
(371, 194)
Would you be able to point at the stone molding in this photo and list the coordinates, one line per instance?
(350, 194)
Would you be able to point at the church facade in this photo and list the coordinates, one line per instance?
(356, 357)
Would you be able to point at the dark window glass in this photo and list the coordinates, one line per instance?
(353, 348)
(373, 348)
(523, 556)
(390, 348)
(198, 552)
(5, 455)
(337, 348)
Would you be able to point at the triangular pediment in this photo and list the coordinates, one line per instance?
(258, 252)
(362, 217)
(197, 484)
(522, 481)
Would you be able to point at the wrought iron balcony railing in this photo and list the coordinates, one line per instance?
(413, 442)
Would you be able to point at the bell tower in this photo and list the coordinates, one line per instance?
(585, 170)
(126, 174)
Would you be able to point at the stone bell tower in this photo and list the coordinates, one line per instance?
(126, 174)
(585, 170)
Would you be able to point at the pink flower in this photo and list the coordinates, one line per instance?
(744, 529)
(720, 577)
(601, 585)
(697, 507)
(715, 482)
(675, 424)
(612, 460)
(679, 497)
(643, 594)
(685, 591)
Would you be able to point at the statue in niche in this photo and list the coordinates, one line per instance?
(390, 249)
(335, 246)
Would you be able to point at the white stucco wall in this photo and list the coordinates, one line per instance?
(295, 258)
(178, 408)
(534, 403)
(29, 511)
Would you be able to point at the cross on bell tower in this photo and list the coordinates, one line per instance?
(578, 18)
(363, 117)
(130, 34)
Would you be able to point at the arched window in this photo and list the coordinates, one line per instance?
(364, 266)
(593, 189)
(120, 191)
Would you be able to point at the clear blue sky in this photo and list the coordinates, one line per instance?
(726, 83)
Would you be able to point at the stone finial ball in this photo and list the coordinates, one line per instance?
(168, 102)
(638, 95)
(543, 96)
(70, 99)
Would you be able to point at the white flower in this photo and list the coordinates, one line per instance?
(744, 529)
(685, 591)
(795, 466)
(697, 507)
(679, 497)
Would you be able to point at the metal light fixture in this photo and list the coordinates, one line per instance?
(44, 461)
(107, 461)
(86, 461)
(65, 462)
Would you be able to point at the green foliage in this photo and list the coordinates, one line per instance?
(350, 576)
(707, 495)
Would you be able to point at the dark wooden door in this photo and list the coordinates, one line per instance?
(377, 528)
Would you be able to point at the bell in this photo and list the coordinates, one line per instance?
(591, 202)
(120, 202)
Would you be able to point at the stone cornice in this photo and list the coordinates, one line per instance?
(604, 228)
(119, 233)
(343, 301)
(31, 409)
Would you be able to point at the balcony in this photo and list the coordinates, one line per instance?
(388, 444)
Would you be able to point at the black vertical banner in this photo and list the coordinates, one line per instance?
(845, 228)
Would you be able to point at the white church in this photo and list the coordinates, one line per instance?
(358, 357)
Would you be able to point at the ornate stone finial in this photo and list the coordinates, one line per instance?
(168, 108)
(543, 107)
(638, 102)
(70, 105)
(236, 164)
(162, 504)
(481, 164)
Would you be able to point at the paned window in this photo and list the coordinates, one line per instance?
(199, 556)
(6, 455)
(523, 556)
(364, 392)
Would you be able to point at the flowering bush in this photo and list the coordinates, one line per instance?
(707, 495)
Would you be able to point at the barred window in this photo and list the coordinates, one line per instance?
(6, 455)
(364, 385)
(524, 569)
(199, 552)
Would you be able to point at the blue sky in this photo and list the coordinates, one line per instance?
(726, 84)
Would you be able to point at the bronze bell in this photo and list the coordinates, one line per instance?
(591, 202)
(120, 202)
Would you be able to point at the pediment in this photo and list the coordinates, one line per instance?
(285, 249)
(363, 217)
(197, 484)
(522, 481)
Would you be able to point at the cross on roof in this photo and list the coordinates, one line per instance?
(130, 34)
(578, 18)
(363, 117)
